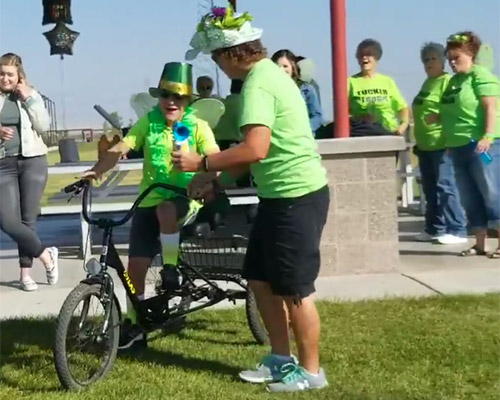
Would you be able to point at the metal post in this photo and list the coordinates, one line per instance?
(339, 68)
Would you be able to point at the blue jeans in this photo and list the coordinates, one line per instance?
(444, 213)
(479, 185)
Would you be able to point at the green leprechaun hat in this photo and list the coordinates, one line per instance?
(177, 77)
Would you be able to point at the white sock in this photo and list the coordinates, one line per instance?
(170, 247)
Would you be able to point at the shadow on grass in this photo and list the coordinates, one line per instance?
(192, 331)
(26, 347)
(196, 331)
(168, 358)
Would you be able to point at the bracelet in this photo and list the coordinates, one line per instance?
(490, 136)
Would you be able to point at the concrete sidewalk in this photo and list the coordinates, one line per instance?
(48, 299)
(426, 270)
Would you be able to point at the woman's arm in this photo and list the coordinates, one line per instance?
(489, 104)
(313, 107)
(253, 149)
(37, 113)
(111, 157)
(404, 118)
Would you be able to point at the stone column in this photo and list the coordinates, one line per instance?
(361, 235)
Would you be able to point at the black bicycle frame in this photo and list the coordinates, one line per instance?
(109, 257)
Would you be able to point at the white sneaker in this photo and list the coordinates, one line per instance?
(28, 284)
(268, 370)
(451, 239)
(53, 273)
(425, 237)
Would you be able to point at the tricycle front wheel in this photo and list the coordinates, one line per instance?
(86, 340)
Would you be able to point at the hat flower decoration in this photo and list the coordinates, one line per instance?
(222, 28)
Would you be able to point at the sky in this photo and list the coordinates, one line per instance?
(123, 44)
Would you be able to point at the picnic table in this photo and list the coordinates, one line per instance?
(116, 176)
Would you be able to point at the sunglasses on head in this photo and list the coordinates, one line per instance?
(458, 39)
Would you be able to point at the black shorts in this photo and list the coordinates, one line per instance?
(145, 231)
(283, 249)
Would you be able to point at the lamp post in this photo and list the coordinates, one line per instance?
(339, 68)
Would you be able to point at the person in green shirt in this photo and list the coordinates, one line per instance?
(374, 97)
(444, 216)
(470, 116)
(283, 257)
(156, 224)
(227, 132)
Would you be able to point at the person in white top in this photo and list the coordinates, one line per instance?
(23, 168)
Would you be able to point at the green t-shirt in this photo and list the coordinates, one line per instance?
(202, 142)
(462, 113)
(378, 96)
(228, 127)
(429, 137)
(292, 167)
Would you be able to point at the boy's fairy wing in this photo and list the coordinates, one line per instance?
(142, 103)
(209, 109)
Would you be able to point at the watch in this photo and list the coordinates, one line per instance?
(204, 163)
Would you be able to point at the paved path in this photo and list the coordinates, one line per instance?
(426, 269)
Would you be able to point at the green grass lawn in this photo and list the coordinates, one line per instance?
(434, 348)
(87, 152)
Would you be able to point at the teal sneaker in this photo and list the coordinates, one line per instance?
(296, 379)
(268, 370)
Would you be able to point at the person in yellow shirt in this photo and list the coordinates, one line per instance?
(169, 126)
(374, 97)
(444, 216)
(227, 132)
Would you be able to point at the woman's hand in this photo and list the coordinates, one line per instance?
(23, 90)
(369, 118)
(202, 187)
(432, 118)
(187, 161)
(90, 175)
(6, 133)
(483, 145)
(401, 130)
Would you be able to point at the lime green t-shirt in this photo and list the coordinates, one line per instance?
(202, 141)
(462, 113)
(378, 96)
(293, 166)
(429, 137)
(228, 127)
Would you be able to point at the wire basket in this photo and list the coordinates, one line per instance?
(215, 253)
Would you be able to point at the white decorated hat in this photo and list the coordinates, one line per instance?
(220, 29)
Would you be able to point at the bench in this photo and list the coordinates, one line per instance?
(407, 197)
(85, 249)
(407, 175)
(237, 197)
